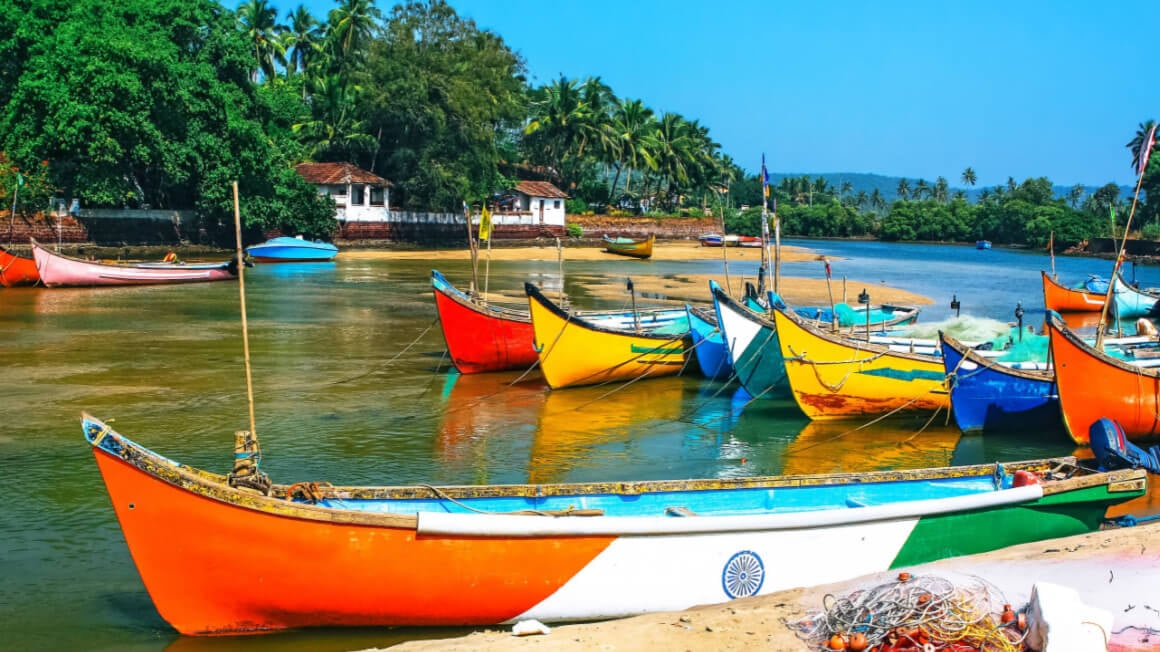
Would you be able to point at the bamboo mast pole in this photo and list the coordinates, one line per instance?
(1145, 150)
(245, 325)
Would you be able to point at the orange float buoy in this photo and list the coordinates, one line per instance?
(903, 576)
(1024, 478)
(836, 642)
(1008, 614)
(857, 642)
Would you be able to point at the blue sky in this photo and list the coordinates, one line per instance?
(903, 88)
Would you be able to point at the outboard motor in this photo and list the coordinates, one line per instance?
(1113, 450)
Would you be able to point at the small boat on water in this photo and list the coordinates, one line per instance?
(632, 247)
(285, 249)
(311, 554)
(750, 241)
(17, 270)
(575, 350)
(982, 244)
(486, 336)
(1060, 298)
(57, 270)
(712, 240)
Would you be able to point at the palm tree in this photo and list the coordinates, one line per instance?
(259, 22)
(350, 28)
(921, 189)
(969, 177)
(632, 122)
(1075, 195)
(303, 39)
(1137, 142)
(877, 200)
(846, 188)
(903, 189)
(334, 130)
(941, 190)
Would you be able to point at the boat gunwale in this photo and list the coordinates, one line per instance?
(1056, 323)
(853, 344)
(215, 486)
(441, 285)
(579, 318)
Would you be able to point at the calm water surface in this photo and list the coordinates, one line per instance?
(351, 386)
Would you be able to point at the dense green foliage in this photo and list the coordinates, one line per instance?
(163, 103)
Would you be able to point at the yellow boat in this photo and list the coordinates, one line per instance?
(577, 351)
(834, 377)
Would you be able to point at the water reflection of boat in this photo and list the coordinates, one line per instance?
(850, 446)
(295, 269)
(481, 407)
(573, 424)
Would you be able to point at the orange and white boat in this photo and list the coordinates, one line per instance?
(1093, 384)
(1061, 298)
(235, 553)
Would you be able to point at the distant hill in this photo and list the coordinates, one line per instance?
(888, 186)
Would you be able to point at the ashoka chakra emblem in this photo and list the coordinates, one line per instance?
(743, 575)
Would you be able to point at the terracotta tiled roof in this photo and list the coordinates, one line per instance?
(337, 174)
(540, 189)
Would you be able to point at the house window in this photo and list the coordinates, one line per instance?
(378, 195)
(357, 195)
(556, 204)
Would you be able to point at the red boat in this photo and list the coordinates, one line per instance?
(1061, 298)
(482, 337)
(17, 270)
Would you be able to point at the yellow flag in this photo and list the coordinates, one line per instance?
(484, 224)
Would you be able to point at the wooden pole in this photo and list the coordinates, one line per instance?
(245, 326)
(474, 289)
(1110, 297)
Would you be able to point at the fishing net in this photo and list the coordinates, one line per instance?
(922, 611)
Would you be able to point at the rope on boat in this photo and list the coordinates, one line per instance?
(817, 374)
(923, 612)
(392, 359)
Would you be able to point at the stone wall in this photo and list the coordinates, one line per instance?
(665, 228)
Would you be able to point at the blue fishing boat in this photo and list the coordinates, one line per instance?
(708, 343)
(286, 249)
(752, 345)
(988, 394)
(982, 244)
(1129, 302)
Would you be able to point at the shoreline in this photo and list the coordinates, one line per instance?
(1111, 569)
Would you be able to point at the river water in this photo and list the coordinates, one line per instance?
(351, 386)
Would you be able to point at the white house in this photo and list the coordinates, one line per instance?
(360, 196)
(532, 203)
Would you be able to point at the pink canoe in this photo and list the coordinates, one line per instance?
(63, 271)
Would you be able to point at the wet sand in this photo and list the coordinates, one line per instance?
(677, 288)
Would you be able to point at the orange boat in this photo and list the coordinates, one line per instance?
(1093, 384)
(17, 270)
(1061, 298)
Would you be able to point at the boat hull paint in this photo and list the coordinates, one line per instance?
(482, 338)
(754, 350)
(1093, 385)
(575, 351)
(1064, 299)
(16, 270)
(833, 377)
(292, 250)
(708, 346)
(62, 271)
(988, 397)
(215, 559)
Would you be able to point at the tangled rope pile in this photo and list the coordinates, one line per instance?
(921, 612)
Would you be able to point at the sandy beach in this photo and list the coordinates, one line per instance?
(1111, 569)
(678, 288)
